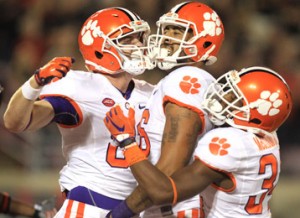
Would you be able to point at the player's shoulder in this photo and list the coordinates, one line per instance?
(189, 74)
(76, 85)
(226, 131)
(222, 148)
(229, 134)
(78, 76)
(143, 85)
(190, 70)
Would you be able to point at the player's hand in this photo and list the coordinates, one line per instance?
(54, 70)
(122, 128)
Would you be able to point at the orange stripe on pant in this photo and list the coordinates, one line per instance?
(68, 209)
(194, 213)
(80, 210)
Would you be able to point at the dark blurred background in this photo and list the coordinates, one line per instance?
(257, 32)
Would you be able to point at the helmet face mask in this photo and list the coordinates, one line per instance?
(201, 38)
(104, 44)
(260, 100)
(223, 99)
(166, 54)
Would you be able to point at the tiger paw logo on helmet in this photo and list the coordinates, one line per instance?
(212, 24)
(268, 103)
(89, 32)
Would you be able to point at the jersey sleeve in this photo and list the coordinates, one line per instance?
(64, 95)
(66, 112)
(221, 149)
(186, 87)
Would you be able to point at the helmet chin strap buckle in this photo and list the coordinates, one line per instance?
(215, 105)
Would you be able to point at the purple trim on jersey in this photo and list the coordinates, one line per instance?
(65, 112)
(128, 92)
(87, 196)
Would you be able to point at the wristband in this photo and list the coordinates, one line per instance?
(175, 196)
(30, 93)
(133, 154)
(126, 142)
(121, 211)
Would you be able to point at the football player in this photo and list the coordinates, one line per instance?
(189, 36)
(236, 167)
(96, 177)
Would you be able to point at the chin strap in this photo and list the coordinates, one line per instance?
(137, 63)
(214, 107)
(166, 63)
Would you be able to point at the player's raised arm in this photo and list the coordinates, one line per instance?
(24, 111)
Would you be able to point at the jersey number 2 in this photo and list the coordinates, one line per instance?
(268, 184)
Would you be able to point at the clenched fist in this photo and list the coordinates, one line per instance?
(54, 70)
(122, 128)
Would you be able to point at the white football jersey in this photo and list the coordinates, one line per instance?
(252, 163)
(184, 86)
(92, 161)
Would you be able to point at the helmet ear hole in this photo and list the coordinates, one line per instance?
(206, 44)
(256, 121)
(98, 54)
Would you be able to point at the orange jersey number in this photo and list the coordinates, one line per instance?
(120, 162)
(144, 139)
(267, 185)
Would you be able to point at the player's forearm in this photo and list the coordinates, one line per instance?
(138, 200)
(23, 113)
(18, 112)
(153, 182)
(20, 208)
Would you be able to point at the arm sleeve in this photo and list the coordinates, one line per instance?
(66, 112)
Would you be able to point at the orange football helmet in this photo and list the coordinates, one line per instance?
(204, 45)
(99, 42)
(260, 100)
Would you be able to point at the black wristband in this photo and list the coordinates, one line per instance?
(126, 142)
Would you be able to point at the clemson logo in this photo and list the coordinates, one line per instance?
(189, 85)
(268, 103)
(219, 146)
(212, 24)
(89, 32)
